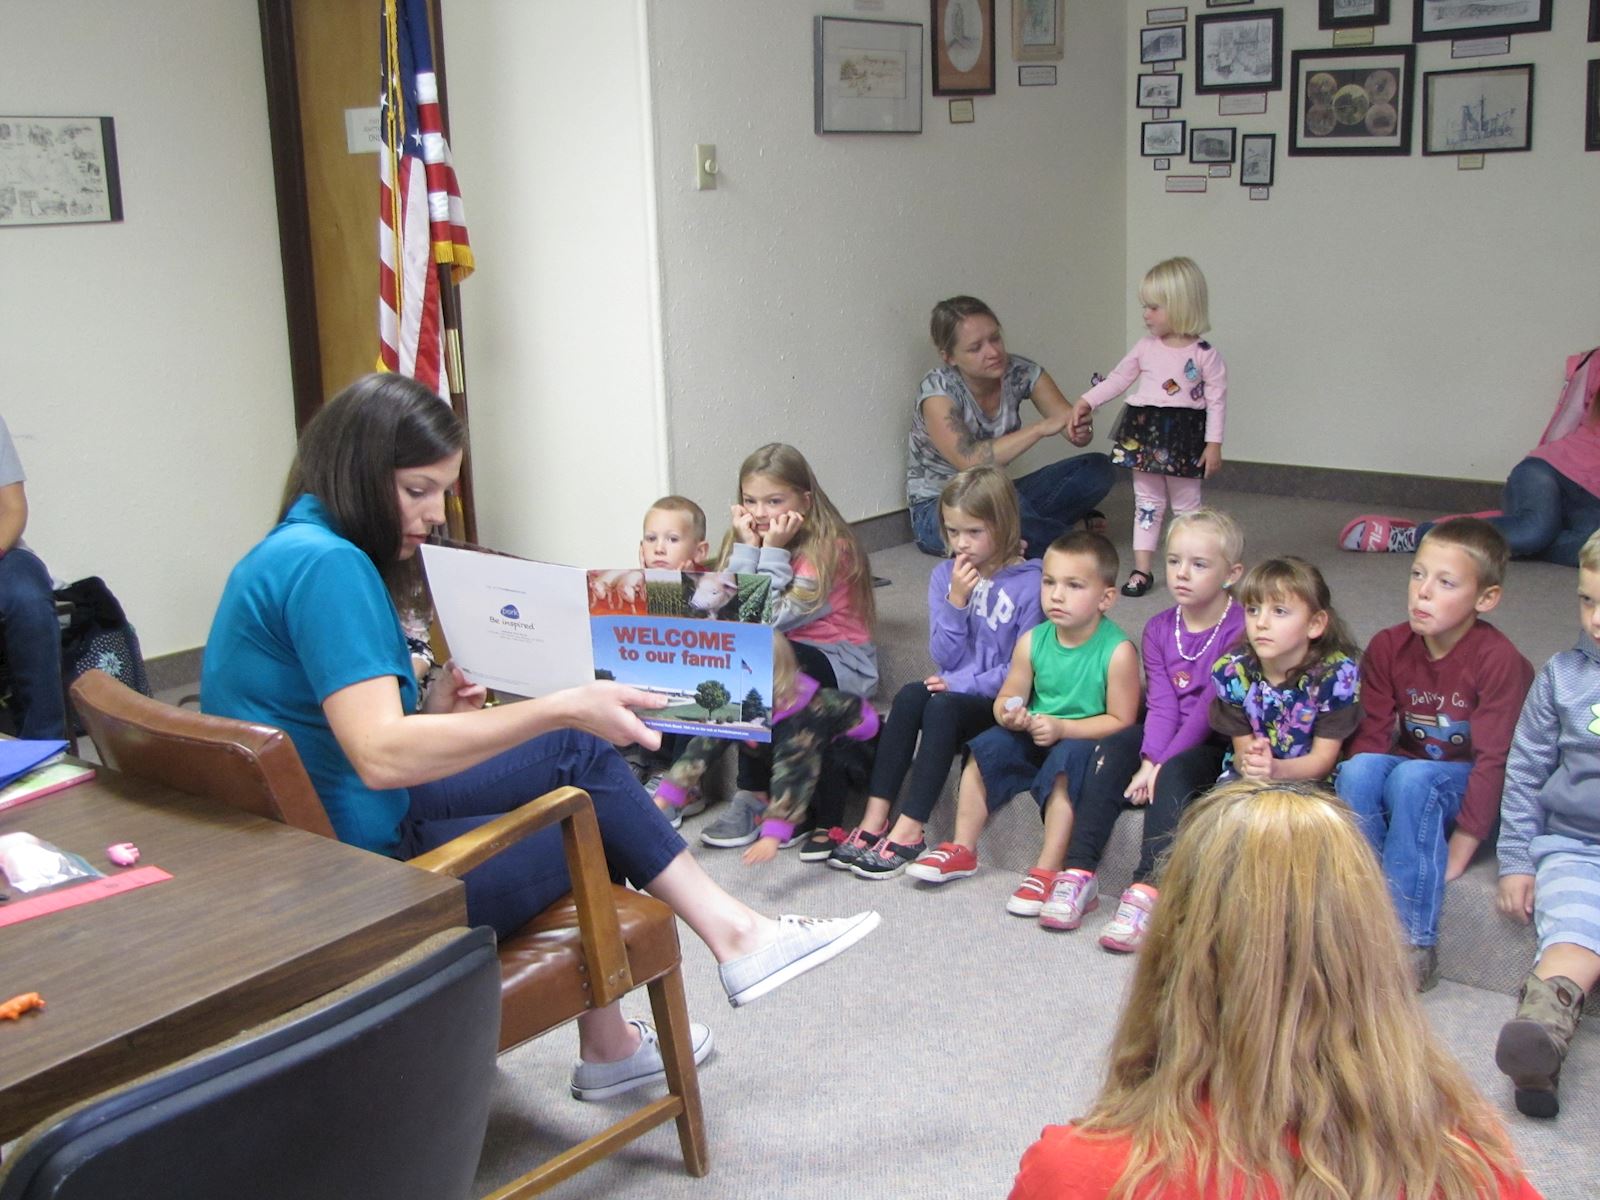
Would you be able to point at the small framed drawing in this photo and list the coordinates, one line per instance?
(1257, 152)
(1351, 101)
(1227, 3)
(963, 47)
(1341, 14)
(1212, 145)
(1445, 20)
(1591, 111)
(59, 171)
(1162, 139)
(1479, 110)
(1160, 91)
(1169, 15)
(867, 76)
(1036, 30)
(1239, 52)
(1164, 43)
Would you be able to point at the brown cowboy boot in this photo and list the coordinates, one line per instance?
(1533, 1043)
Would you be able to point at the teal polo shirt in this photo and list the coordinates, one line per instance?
(303, 615)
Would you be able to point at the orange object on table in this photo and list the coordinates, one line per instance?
(17, 1005)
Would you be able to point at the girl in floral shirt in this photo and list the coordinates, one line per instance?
(1290, 696)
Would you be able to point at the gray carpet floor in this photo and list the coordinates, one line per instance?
(924, 1061)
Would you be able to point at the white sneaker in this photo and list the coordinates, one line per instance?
(802, 943)
(1073, 894)
(601, 1081)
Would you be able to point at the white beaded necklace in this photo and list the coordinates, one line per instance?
(1177, 631)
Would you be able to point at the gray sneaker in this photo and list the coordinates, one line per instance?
(802, 943)
(740, 825)
(601, 1081)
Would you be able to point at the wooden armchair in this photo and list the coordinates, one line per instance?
(584, 952)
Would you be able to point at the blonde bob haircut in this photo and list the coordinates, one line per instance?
(825, 538)
(1177, 285)
(1215, 522)
(987, 494)
(1272, 1037)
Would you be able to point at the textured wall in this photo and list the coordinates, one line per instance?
(1390, 314)
(147, 381)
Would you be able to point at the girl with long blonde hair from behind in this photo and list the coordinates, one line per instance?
(1272, 1044)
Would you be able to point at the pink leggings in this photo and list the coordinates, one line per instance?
(1150, 495)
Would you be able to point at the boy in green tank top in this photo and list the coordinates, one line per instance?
(1073, 680)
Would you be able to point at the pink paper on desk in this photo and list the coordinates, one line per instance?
(80, 893)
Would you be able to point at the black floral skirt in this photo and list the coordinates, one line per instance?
(1161, 441)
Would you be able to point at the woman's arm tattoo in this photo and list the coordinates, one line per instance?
(979, 450)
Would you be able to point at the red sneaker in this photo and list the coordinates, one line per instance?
(944, 862)
(1030, 895)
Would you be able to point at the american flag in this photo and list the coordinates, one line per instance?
(420, 200)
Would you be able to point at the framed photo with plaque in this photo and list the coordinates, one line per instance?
(1355, 101)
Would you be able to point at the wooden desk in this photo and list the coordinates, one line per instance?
(256, 919)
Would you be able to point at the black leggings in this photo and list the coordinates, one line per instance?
(1182, 778)
(946, 720)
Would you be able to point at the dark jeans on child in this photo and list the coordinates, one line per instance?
(946, 721)
(1181, 778)
(1052, 500)
(1010, 763)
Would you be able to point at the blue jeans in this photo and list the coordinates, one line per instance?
(33, 646)
(1546, 515)
(1406, 807)
(1052, 499)
(525, 879)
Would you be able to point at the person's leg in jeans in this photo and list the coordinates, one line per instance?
(1181, 778)
(927, 528)
(1112, 765)
(1054, 498)
(33, 646)
(1532, 508)
(1580, 517)
(1422, 798)
(1360, 784)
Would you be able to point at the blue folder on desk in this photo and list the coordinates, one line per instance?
(18, 756)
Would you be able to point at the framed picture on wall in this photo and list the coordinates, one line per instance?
(867, 75)
(1445, 20)
(1164, 43)
(1212, 145)
(1355, 101)
(1227, 3)
(1160, 91)
(1594, 20)
(963, 47)
(1482, 110)
(1239, 52)
(1339, 14)
(1257, 154)
(1162, 139)
(59, 171)
(1036, 30)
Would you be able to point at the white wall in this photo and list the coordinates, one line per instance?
(549, 130)
(1389, 314)
(147, 381)
(796, 295)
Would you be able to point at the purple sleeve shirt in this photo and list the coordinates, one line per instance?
(971, 646)
(1179, 689)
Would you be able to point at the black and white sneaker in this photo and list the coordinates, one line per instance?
(856, 843)
(887, 859)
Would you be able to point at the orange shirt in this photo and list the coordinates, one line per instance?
(1067, 1165)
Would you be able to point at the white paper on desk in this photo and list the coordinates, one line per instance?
(514, 625)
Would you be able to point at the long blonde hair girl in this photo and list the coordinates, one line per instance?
(825, 538)
(1272, 1036)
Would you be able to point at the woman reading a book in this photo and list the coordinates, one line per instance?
(307, 638)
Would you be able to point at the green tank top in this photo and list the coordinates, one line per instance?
(1071, 681)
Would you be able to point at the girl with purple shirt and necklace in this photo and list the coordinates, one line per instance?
(1173, 756)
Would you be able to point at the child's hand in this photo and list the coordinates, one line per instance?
(1516, 897)
(1045, 731)
(964, 578)
(1211, 459)
(1082, 431)
(1143, 785)
(764, 849)
(936, 684)
(744, 525)
(1015, 718)
(1257, 762)
(453, 694)
(782, 528)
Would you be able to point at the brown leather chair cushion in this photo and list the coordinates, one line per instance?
(541, 965)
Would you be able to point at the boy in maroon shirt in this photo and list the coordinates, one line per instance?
(1441, 696)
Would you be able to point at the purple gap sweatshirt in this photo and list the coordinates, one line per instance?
(971, 646)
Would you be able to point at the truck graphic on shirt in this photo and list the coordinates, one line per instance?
(1438, 736)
